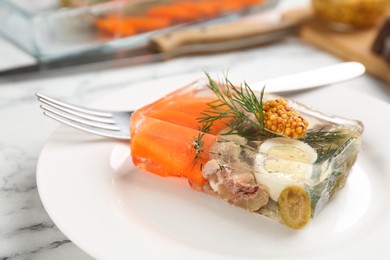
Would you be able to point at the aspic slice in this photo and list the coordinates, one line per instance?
(227, 143)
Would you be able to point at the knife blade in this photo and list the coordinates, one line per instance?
(190, 41)
(319, 77)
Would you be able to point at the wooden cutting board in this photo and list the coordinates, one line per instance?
(353, 46)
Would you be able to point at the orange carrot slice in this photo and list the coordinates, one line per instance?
(115, 26)
(163, 136)
(193, 108)
(175, 13)
(232, 5)
(176, 117)
(209, 9)
(193, 8)
(252, 2)
(147, 23)
(167, 149)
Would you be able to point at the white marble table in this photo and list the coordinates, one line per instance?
(26, 231)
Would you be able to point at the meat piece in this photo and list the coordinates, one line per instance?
(225, 151)
(248, 154)
(211, 173)
(236, 185)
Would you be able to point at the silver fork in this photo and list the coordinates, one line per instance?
(114, 124)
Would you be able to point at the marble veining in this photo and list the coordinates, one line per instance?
(36, 251)
(26, 230)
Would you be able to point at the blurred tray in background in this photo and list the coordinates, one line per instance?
(57, 29)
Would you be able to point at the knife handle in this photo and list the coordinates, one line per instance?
(229, 31)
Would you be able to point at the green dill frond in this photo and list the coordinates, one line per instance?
(323, 137)
(324, 153)
(239, 106)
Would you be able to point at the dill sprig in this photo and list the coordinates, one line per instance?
(242, 111)
(198, 141)
(322, 137)
(326, 142)
(324, 153)
(240, 106)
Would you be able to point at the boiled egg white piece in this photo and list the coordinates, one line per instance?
(283, 162)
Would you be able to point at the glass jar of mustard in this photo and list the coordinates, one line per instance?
(356, 13)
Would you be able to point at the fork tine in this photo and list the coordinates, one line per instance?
(80, 120)
(101, 132)
(73, 107)
(76, 113)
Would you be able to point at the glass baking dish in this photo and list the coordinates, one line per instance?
(54, 29)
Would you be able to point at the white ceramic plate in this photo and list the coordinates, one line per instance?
(113, 211)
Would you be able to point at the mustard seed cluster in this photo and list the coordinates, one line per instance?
(282, 119)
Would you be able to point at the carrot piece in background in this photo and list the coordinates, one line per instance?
(174, 13)
(115, 26)
(192, 8)
(209, 9)
(159, 17)
(144, 24)
(252, 2)
(233, 5)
